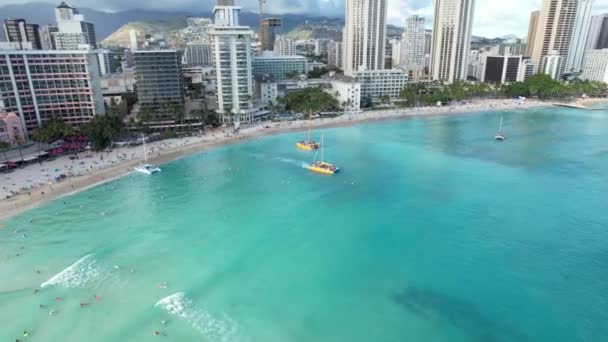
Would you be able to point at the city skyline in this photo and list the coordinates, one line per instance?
(513, 15)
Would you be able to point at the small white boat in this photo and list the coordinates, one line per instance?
(146, 168)
(500, 136)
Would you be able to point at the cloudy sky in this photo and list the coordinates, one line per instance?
(493, 18)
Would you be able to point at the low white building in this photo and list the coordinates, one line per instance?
(526, 69)
(552, 64)
(348, 93)
(595, 67)
(375, 84)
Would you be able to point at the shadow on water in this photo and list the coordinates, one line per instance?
(466, 316)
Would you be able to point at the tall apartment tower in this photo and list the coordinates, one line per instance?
(364, 35)
(18, 30)
(532, 29)
(451, 39)
(413, 43)
(233, 64)
(598, 33)
(580, 31)
(554, 33)
(73, 31)
(268, 33)
(159, 81)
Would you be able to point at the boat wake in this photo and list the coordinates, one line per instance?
(79, 274)
(211, 327)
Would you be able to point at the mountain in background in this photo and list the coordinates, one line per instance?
(113, 28)
(157, 21)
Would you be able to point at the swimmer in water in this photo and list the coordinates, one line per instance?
(97, 297)
(42, 306)
(58, 299)
(52, 312)
(156, 333)
(26, 333)
(163, 322)
(36, 291)
(83, 305)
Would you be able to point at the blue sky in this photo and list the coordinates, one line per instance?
(493, 18)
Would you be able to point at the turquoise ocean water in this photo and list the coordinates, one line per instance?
(433, 232)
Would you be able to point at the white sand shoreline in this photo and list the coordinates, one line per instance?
(86, 173)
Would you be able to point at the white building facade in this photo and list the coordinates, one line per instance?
(284, 46)
(375, 84)
(552, 65)
(348, 93)
(580, 32)
(73, 32)
(451, 39)
(334, 54)
(364, 35)
(412, 43)
(596, 66)
(233, 64)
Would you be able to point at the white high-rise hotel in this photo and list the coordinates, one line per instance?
(364, 35)
(451, 39)
(580, 31)
(412, 43)
(233, 64)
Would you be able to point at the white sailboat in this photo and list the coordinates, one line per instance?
(145, 167)
(500, 136)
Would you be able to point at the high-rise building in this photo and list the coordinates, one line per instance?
(396, 47)
(578, 42)
(280, 67)
(532, 29)
(598, 33)
(428, 41)
(451, 39)
(133, 40)
(198, 54)
(268, 32)
(413, 43)
(321, 46)
(334, 54)
(73, 31)
(554, 32)
(526, 69)
(159, 81)
(40, 85)
(596, 66)
(284, 46)
(233, 64)
(18, 30)
(46, 37)
(364, 35)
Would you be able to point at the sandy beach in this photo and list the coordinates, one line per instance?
(35, 184)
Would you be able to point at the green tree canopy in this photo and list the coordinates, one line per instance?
(103, 129)
(309, 100)
(52, 130)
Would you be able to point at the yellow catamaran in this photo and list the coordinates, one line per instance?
(308, 145)
(322, 166)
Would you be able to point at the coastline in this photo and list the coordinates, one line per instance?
(167, 151)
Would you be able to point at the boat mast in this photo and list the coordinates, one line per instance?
(145, 153)
(500, 130)
(322, 148)
(309, 126)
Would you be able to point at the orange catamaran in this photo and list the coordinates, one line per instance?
(308, 145)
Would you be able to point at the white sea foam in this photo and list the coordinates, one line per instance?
(78, 274)
(211, 327)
